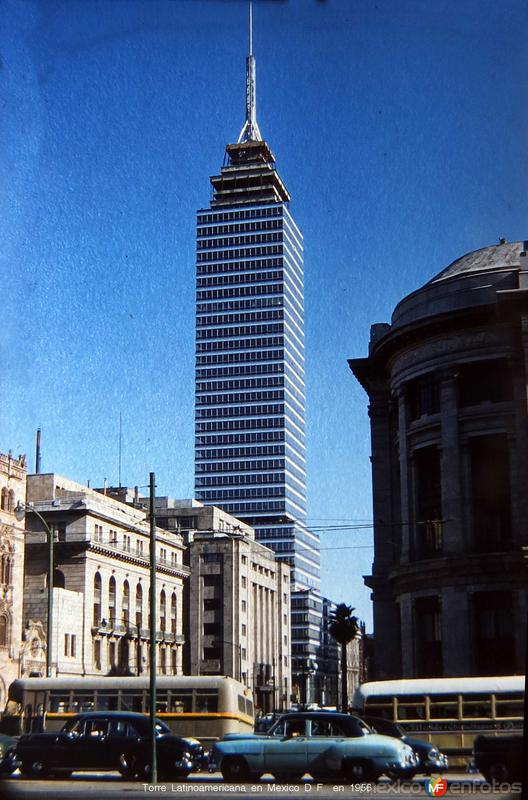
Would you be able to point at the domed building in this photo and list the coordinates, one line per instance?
(447, 384)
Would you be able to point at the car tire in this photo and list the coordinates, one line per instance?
(359, 771)
(235, 769)
(178, 774)
(127, 766)
(394, 775)
(34, 769)
(498, 772)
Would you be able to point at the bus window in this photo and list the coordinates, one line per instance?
(206, 702)
(28, 718)
(444, 707)
(82, 701)
(380, 706)
(106, 702)
(59, 702)
(249, 707)
(411, 707)
(509, 704)
(181, 702)
(161, 702)
(476, 706)
(132, 701)
(241, 704)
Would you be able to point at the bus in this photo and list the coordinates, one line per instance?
(205, 707)
(448, 712)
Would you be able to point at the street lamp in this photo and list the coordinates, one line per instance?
(20, 512)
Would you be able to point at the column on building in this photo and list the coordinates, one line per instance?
(405, 477)
(456, 631)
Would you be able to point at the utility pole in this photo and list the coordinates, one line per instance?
(152, 621)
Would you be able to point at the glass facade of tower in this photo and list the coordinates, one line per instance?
(250, 398)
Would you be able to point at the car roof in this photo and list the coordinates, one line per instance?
(131, 715)
(317, 715)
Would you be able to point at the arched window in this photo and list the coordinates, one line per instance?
(125, 603)
(112, 600)
(3, 630)
(139, 606)
(97, 587)
(5, 569)
(11, 501)
(173, 613)
(4, 499)
(163, 610)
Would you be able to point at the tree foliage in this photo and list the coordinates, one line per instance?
(343, 625)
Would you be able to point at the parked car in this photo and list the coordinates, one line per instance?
(108, 741)
(330, 746)
(8, 761)
(499, 758)
(430, 758)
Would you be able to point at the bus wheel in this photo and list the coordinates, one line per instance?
(235, 770)
(34, 769)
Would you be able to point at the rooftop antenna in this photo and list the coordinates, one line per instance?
(120, 444)
(37, 453)
(250, 132)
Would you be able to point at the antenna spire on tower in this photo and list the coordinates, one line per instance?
(250, 132)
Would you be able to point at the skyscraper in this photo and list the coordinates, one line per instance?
(250, 398)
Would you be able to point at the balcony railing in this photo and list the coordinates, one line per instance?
(135, 632)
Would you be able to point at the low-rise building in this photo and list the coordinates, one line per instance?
(12, 490)
(101, 581)
(238, 601)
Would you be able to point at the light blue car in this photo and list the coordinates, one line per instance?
(331, 747)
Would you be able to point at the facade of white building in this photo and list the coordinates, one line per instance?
(101, 584)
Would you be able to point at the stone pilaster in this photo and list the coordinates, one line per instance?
(407, 626)
(451, 471)
(455, 631)
(405, 478)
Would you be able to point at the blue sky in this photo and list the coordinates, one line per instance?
(400, 129)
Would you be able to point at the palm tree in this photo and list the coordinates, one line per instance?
(343, 628)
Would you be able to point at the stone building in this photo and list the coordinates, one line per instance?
(237, 613)
(12, 490)
(447, 384)
(101, 584)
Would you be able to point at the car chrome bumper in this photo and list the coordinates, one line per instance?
(436, 762)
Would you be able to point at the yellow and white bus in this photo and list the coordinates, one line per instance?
(448, 712)
(206, 707)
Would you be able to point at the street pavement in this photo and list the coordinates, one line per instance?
(110, 786)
